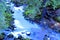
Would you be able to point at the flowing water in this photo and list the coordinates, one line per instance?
(24, 27)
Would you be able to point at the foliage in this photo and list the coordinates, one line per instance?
(5, 17)
(33, 8)
(27, 39)
(54, 3)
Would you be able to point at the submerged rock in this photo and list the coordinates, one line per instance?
(10, 36)
(2, 35)
(46, 38)
(57, 17)
(28, 33)
(16, 39)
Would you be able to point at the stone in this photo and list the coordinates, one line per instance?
(3, 33)
(10, 36)
(13, 19)
(28, 33)
(13, 26)
(1, 36)
(20, 37)
(11, 11)
(16, 39)
(46, 37)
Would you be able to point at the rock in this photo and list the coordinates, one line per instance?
(11, 23)
(10, 36)
(3, 33)
(1, 36)
(12, 28)
(7, 30)
(27, 39)
(46, 37)
(17, 2)
(17, 5)
(20, 37)
(22, 32)
(13, 19)
(28, 33)
(16, 39)
(11, 11)
(59, 31)
(57, 18)
(57, 12)
(1, 39)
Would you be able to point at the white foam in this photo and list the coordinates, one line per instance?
(16, 34)
(19, 8)
(18, 24)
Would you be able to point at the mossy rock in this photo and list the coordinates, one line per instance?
(57, 18)
(26, 39)
(2, 36)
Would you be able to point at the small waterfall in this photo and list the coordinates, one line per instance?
(25, 26)
(27, 29)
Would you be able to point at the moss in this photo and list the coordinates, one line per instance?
(8, 18)
(57, 18)
(27, 39)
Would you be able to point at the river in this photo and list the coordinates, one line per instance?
(24, 27)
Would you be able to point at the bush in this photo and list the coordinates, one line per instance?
(5, 17)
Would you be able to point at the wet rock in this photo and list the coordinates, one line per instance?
(1, 36)
(28, 33)
(13, 19)
(59, 31)
(1, 39)
(22, 32)
(10, 36)
(20, 37)
(17, 5)
(7, 30)
(16, 39)
(57, 18)
(27, 39)
(13, 26)
(12, 29)
(11, 23)
(57, 12)
(46, 37)
(11, 11)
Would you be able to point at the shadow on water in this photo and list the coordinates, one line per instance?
(27, 29)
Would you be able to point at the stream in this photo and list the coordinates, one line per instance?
(28, 29)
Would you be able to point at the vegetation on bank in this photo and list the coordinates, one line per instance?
(34, 8)
(5, 16)
(5, 19)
